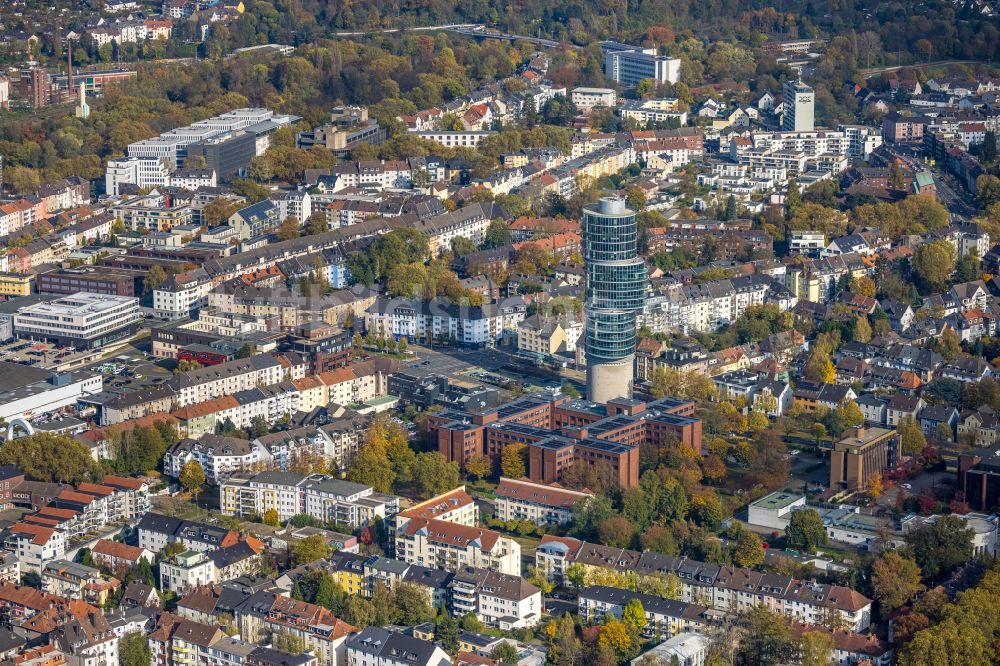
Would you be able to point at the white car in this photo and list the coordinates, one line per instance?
(907, 486)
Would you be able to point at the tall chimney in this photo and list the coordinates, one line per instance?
(69, 75)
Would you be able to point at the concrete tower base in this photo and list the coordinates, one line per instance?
(607, 381)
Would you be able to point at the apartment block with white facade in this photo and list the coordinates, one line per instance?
(499, 600)
(586, 99)
(472, 325)
(322, 497)
(439, 544)
(542, 504)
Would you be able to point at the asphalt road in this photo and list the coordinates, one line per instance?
(952, 200)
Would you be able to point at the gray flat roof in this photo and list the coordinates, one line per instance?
(777, 500)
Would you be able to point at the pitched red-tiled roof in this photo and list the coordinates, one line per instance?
(95, 489)
(123, 482)
(28, 597)
(547, 495)
(436, 506)
(118, 550)
(453, 534)
(39, 535)
(73, 496)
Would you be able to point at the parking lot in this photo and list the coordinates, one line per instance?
(41, 354)
(486, 366)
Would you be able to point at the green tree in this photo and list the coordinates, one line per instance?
(246, 351)
(576, 574)
(616, 531)
(480, 467)
(217, 210)
(816, 648)
(372, 467)
(934, 262)
(133, 650)
(192, 477)
(51, 458)
(850, 414)
(505, 653)
(470, 622)
(288, 642)
(400, 455)
(793, 198)
(570, 390)
(434, 474)
(987, 191)
(513, 461)
(497, 235)
(635, 199)
(748, 551)
(947, 644)
(634, 616)
(446, 632)
(329, 594)
(460, 245)
(895, 579)
(271, 518)
(805, 530)
(768, 638)
(940, 547)
(411, 605)
(310, 549)
(316, 223)
(288, 229)
(896, 180)
(912, 439)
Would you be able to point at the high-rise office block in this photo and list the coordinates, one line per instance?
(616, 282)
(799, 100)
(628, 65)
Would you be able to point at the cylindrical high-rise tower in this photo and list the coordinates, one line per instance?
(616, 286)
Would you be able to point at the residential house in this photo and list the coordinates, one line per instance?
(902, 407)
(938, 419)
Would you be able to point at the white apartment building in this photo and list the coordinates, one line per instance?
(711, 305)
(664, 617)
(157, 530)
(193, 179)
(469, 222)
(659, 109)
(499, 600)
(322, 497)
(440, 544)
(540, 503)
(186, 571)
(142, 172)
(726, 589)
(461, 139)
(177, 298)
(226, 379)
(35, 545)
(809, 243)
(465, 325)
(84, 320)
(587, 99)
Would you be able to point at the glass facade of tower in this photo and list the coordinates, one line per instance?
(616, 280)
